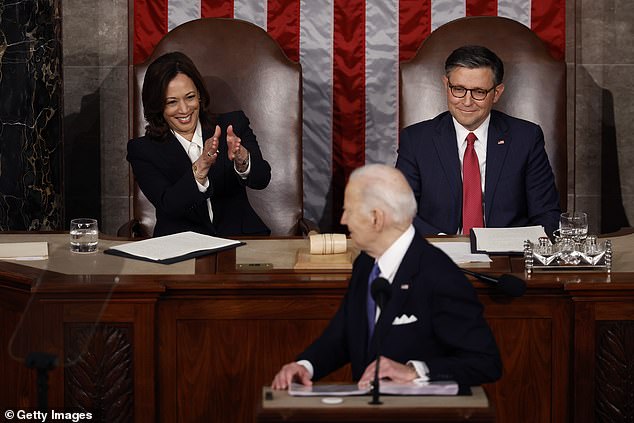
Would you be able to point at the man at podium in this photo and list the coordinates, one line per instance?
(432, 328)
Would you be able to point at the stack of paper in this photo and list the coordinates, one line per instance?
(24, 251)
(385, 387)
(173, 248)
(504, 240)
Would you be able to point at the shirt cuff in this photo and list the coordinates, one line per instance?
(421, 370)
(203, 187)
(308, 366)
(244, 174)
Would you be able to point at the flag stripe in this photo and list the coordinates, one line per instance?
(216, 9)
(283, 25)
(348, 119)
(315, 53)
(253, 11)
(519, 11)
(443, 11)
(181, 11)
(150, 24)
(414, 26)
(548, 20)
(381, 81)
(481, 8)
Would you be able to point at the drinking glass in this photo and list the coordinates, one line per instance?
(84, 235)
(574, 225)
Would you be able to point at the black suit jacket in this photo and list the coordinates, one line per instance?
(163, 171)
(519, 187)
(450, 334)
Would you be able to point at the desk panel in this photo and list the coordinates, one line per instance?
(201, 346)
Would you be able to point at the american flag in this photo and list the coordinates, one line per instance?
(349, 51)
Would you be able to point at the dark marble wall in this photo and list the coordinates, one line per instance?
(95, 49)
(30, 115)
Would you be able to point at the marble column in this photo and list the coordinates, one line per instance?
(30, 115)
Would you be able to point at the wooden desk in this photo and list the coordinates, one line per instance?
(283, 408)
(196, 347)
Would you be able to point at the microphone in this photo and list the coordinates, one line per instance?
(381, 291)
(43, 362)
(509, 284)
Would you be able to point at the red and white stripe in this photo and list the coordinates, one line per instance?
(349, 51)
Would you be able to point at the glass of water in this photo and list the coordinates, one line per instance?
(84, 235)
(574, 225)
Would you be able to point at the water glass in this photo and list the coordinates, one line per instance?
(574, 225)
(84, 235)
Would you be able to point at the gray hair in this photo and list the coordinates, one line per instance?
(386, 188)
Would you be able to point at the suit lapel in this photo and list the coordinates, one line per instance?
(401, 288)
(445, 143)
(358, 312)
(498, 144)
(172, 153)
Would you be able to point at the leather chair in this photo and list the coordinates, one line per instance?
(535, 83)
(244, 68)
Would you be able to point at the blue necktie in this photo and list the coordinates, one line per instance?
(371, 305)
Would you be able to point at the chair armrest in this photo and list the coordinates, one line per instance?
(306, 227)
(131, 229)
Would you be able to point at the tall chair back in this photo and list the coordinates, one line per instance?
(535, 82)
(244, 69)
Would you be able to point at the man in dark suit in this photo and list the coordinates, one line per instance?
(432, 328)
(516, 183)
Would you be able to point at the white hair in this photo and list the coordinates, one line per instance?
(386, 188)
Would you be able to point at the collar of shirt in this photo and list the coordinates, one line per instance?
(480, 145)
(391, 259)
(196, 139)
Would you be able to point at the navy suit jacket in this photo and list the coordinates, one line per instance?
(519, 185)
(163, 171)
(450, 334)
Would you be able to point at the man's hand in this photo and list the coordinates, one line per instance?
(291, 372)
(389, 369)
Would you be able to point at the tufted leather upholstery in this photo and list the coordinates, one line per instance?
(535, 83)
(244, 68)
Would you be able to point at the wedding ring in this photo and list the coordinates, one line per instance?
(209, 153)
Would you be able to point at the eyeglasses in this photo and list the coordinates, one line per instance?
(476, 93)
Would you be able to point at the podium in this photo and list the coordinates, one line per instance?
(279, 406)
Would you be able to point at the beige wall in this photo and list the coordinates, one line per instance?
(600, 61)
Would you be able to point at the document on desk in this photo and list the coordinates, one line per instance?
(460, 252)
(173, 248)
(504, 240)
(386, 387)
(24, 250)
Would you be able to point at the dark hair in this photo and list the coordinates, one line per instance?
(157, 77)
(473, 57)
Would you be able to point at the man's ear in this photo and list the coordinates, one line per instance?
(498, 93)
(378, 219)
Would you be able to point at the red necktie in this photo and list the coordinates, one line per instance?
(471, 188)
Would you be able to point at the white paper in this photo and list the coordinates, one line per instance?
(460, 252)
(175, 245)
(24, 250)
(385, 387)
(502, 240)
